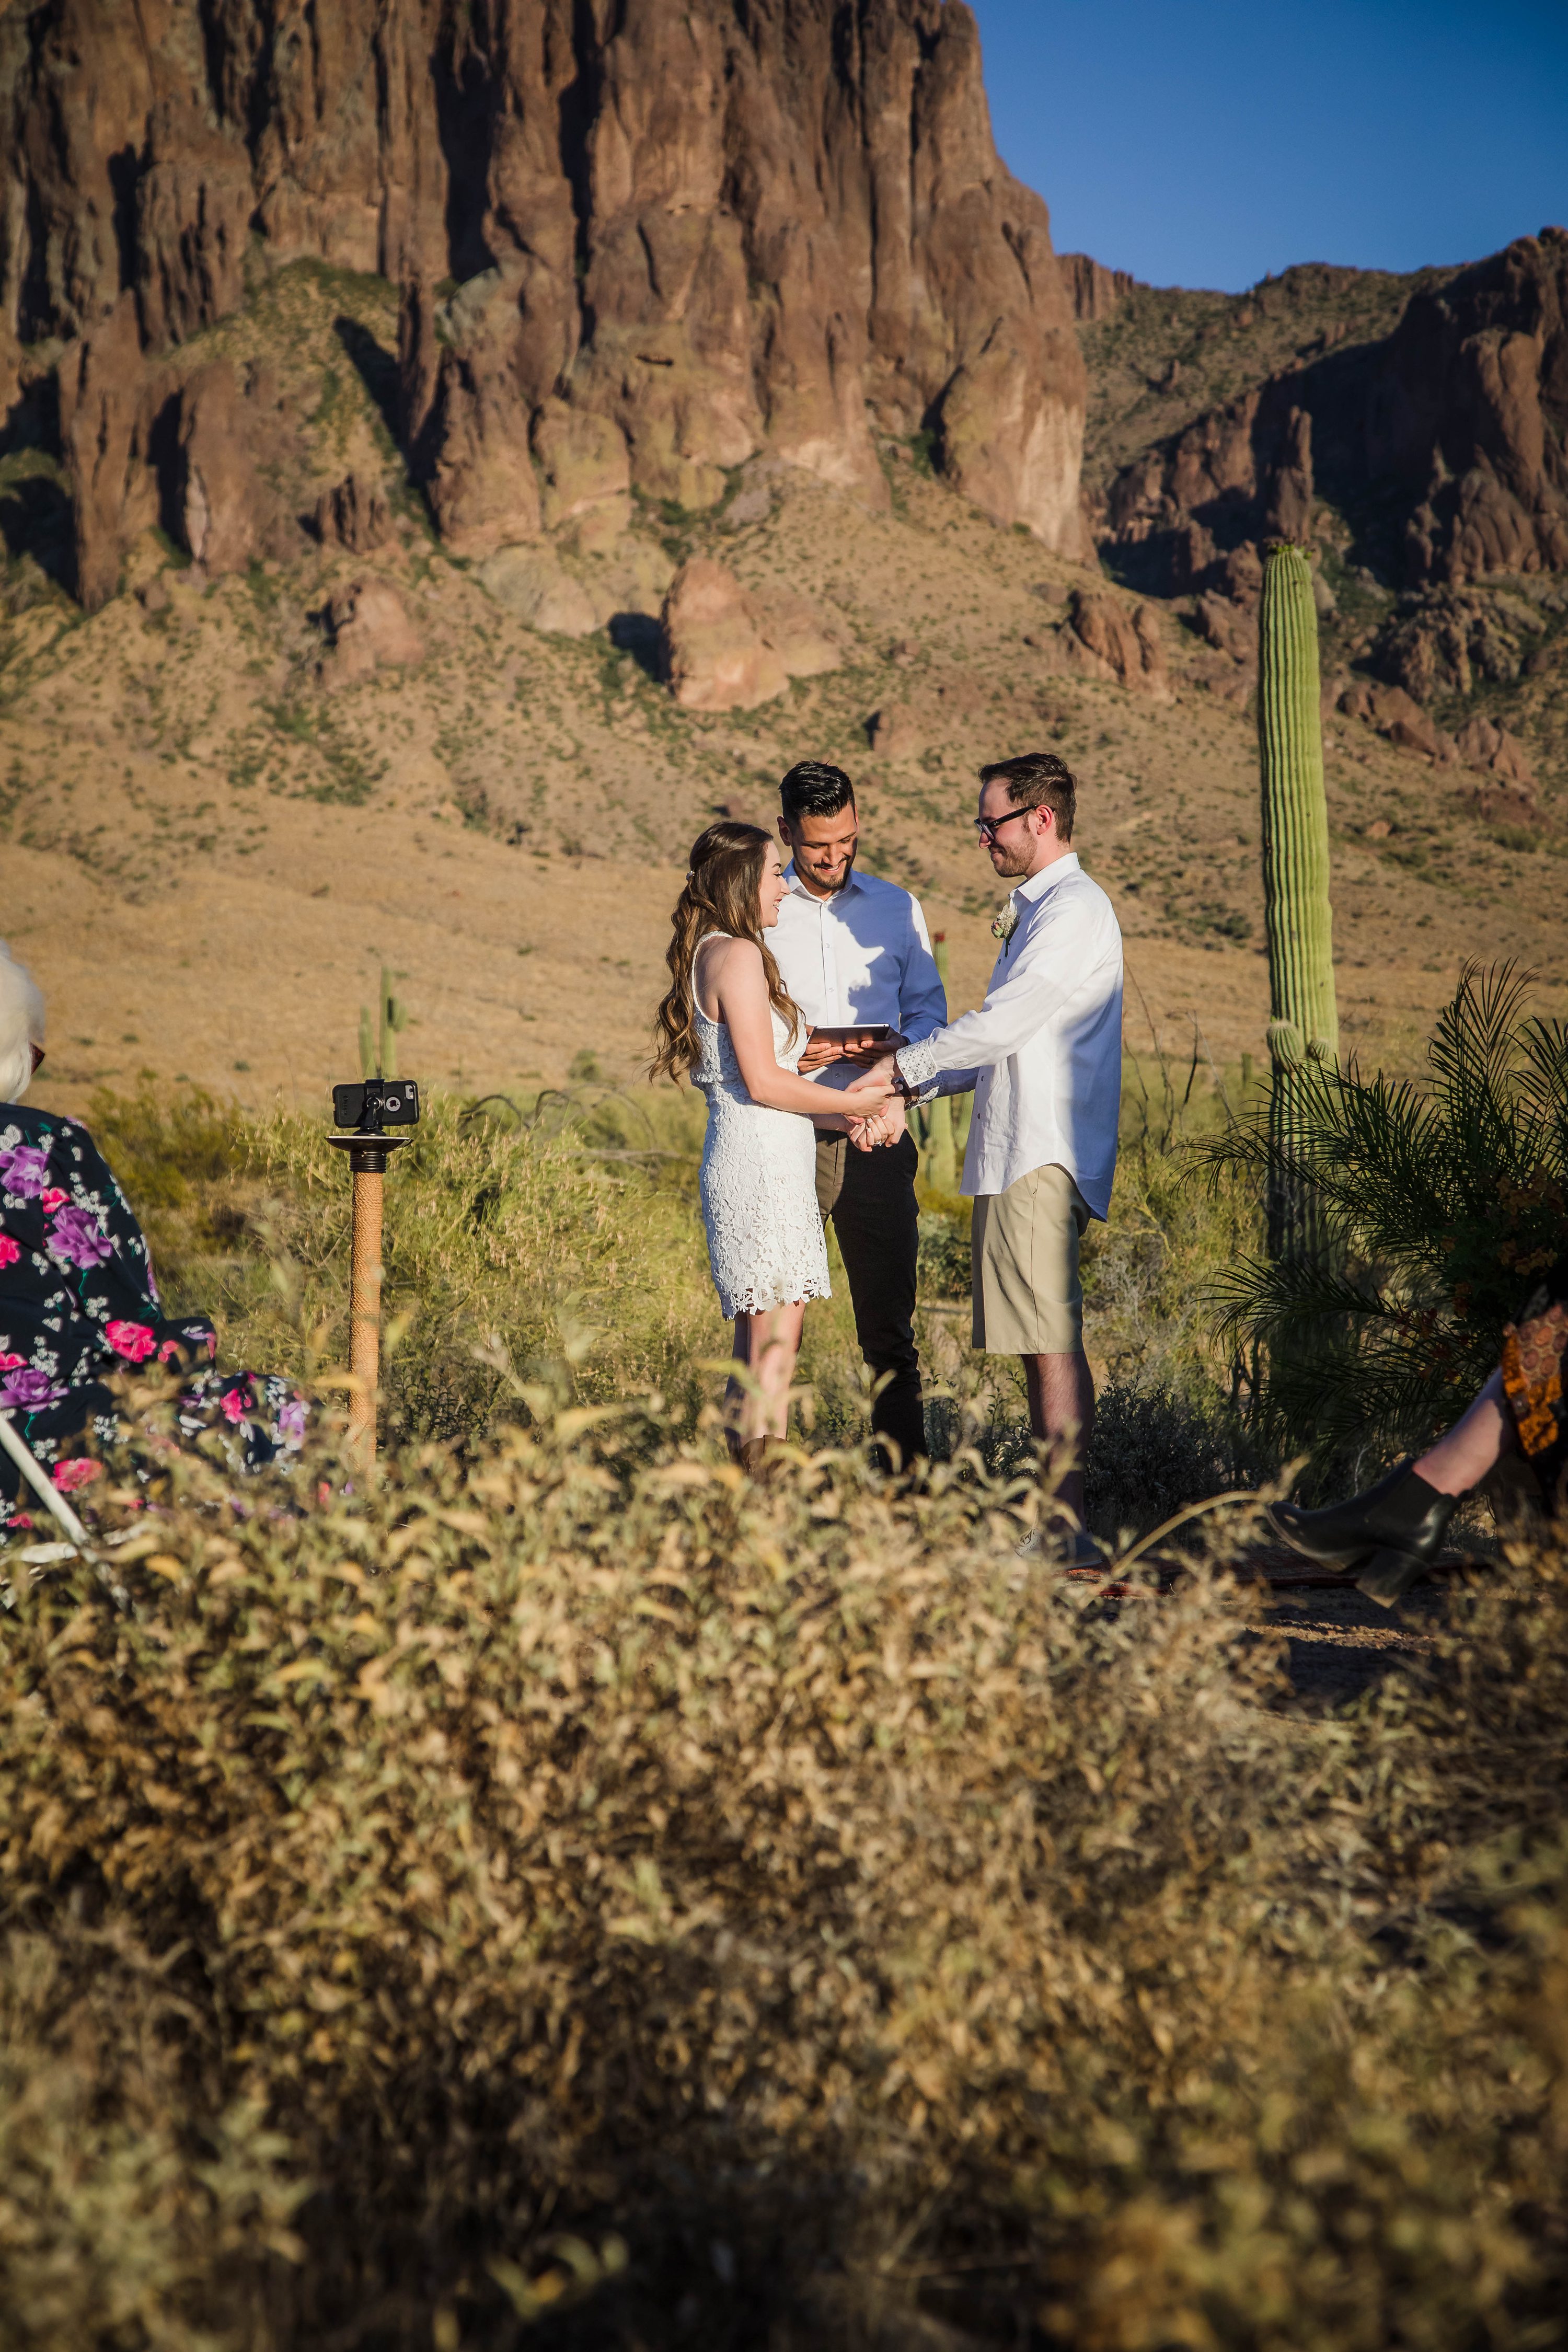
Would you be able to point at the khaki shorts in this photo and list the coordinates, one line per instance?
(1028, 1298)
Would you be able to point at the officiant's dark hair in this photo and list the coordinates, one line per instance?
(721, 894)
(815, 787)
(1037, 779)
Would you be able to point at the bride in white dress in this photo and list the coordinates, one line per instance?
(728, 1021)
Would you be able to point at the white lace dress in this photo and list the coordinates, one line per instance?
(759, 1183)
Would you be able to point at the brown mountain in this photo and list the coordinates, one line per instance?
(637, 245)
(1440, 443)
(1411, 430)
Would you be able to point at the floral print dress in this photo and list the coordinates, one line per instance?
(1536, 1381)
(78, 1301)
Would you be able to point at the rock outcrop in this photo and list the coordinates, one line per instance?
(105, 406)
(587, 472)
(221, 499)
(144, 443)
(1094, 291)
(370, 630)
(1492, 751)
(1104, 638)
(531, 582)
(1443, 444)
(1507, 787)
(721, 648)
(682, 231)
(355, 514)
(1402, 722)
(1448, 640)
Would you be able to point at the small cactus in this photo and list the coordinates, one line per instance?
(1303, 1013)
(378, 1035)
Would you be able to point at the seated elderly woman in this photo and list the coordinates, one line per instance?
(78, 1300)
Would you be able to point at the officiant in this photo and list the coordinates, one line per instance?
(854, 950)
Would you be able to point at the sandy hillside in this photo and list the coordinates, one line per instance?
(214, 837)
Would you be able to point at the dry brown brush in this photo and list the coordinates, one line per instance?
(581, 1889)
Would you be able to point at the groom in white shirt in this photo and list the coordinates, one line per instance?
(1044, 1056)
(853, 949)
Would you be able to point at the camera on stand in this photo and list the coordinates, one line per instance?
(376, 1103)
(368, 1111)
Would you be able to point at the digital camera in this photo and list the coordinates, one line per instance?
(375, 1103)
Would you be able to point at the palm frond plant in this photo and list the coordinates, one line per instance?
(1441, 1203)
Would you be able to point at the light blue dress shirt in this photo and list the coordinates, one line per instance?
(862, 955)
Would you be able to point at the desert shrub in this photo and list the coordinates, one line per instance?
(128, 2215)
(1147, 1274)
(788, 1885)
(1441, 1203)
(944, 1255)
(526, 1232)
(564, 1225)
(1154, 1449)
(561, 1226)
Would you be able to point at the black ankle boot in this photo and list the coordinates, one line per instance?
(1390, 1533)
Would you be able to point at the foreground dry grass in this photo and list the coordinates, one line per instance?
(584, 1886)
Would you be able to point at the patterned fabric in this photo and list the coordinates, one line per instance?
(1533, 1351)
(758, 1182)
(78, 1300)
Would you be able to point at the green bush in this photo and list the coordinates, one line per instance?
(1442, 1204)
(515, 1233)
(1153, 1450)
(563, 1226)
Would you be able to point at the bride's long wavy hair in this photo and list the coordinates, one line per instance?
(721, 894)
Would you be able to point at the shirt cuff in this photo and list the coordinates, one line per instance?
(915, 1065)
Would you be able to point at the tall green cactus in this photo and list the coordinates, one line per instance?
(1303, 1013)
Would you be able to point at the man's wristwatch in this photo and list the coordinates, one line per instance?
(901, 1085)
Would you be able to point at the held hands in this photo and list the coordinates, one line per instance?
(884, 1126)
(866, 1099)
(870, 1108)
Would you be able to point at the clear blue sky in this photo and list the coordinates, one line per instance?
(1203, 142)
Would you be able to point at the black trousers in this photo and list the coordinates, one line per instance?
(871, 1197)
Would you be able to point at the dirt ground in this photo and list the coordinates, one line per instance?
(1340, 1644)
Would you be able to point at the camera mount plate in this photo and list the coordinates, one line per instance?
(367, 1153)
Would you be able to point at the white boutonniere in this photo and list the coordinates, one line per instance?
(1007, 921)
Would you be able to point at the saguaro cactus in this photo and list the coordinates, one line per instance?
(1303, 1015)
(378, 1038)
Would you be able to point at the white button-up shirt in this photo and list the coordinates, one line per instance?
(862, 955)
(1044, 1052)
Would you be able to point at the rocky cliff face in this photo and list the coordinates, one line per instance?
(1094, 291)
(638, 242)
(1441, 444)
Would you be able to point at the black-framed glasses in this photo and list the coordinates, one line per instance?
(988, 827)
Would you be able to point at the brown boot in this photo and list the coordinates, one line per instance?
(754, 1457)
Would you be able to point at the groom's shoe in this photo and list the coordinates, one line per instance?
(1388, 1535)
